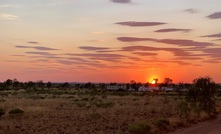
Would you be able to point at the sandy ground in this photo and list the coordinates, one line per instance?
(208, 127)
(79, 114)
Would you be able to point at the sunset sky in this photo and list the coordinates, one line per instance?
(110, 40)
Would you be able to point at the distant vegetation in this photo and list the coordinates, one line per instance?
(122, 110)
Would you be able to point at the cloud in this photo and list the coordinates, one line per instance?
(216, 15)
(39, 53)
(44, 48)
(188, 58)
(178, 42)
(181, 54)
(13, 61)
(184, 42)
(213, 50)
(145, 53)
(38, 48)
(89, 48)
(121, 1)
(18, 55)
(33, 42)
(8, 16)
(173, 30)
(213, 35)
(134, 39)
(190, 10)
(98, 56)
(139, 24)
(212, 61)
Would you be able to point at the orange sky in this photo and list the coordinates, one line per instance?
(110, 40)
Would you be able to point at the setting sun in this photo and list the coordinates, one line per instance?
(154, 81)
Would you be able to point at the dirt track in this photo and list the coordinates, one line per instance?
(208, 127)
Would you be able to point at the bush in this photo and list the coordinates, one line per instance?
(162, 124)
(16, 111)
(140, 127)
(2, 112)
(81, 104)
(105, 104)
(184, 109)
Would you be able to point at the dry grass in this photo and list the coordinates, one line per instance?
(89, 113)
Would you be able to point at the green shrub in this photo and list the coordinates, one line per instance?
(139, 127)
(2, 112)
(16, 111)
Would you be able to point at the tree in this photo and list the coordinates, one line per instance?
(203, 93)
(65, 85)
(40, 84)
(168, 81)
(30, 84)
(49, 85)
(16, 84)
(8, 84)
(133, 84)
(156, 80)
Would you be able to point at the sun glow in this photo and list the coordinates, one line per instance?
(154, 81)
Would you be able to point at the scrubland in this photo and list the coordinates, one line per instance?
(95, 112)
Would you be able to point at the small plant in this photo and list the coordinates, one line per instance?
(16, 111)
(162, 124)
(81, 104)
(139, 128)
(85, 99)
(105, 104)
(2, 112)
(184, 109)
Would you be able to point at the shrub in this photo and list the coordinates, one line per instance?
(105, 104)
(16, 111)
(184, 109)
(2, 112)
(139, 127)
(81, 104)
(162, 124)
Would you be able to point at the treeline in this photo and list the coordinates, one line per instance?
(14, 84)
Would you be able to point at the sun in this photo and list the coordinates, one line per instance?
(154, 81)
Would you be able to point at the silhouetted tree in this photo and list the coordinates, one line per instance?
(102, 86)
(1, 86)
(203, 93)
(133, 84)
(30, 84)
(167, 81)
(16, 84)
(49, 85)
(89, 85)
(8, 84)
(156, 80)
(65, 85)
(40, 84)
